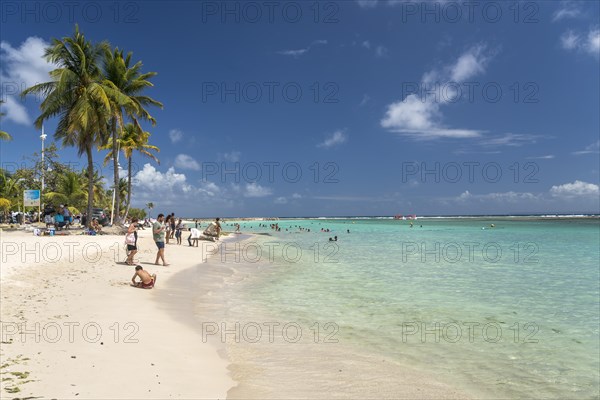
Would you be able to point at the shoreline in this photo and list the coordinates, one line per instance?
(81, 317)
(272, 364)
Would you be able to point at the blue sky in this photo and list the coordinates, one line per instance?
(341, 108)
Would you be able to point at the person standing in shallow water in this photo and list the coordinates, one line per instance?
(158, 232)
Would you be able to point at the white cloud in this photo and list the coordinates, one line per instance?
(547, 157)
(420, 118)
(472, 62)
(569, 40)
(568, 9)
(366, 44)
(185, 161)
(593, 42)
(233, 156)
(567, 195)
(338, 137)
(299, 52)
(173, 189)
(381, 51)
(367, 3)
(280, 200)
(296, 196)
(500, 197)
(15, 111)
(575, 189)
(510, 139)
(589, 43)
(593, 148)
(411, 114)
(255, 190)
(150, 179)
(21, 68)
(175, 135)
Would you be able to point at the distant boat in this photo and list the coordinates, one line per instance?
(402, 217)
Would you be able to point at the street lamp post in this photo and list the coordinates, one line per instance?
(43, 136)
(112, 210)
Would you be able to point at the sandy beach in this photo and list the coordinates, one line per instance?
(88, 334)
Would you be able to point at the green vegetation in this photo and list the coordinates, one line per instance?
(96, 94)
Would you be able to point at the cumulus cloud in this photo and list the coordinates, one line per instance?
(15, 111)
(573, 195)
(575, 189)
(185, 161)
(471, 63)
(336, 138)
(175, 135)
(22, 67)
(420, 118)
(255, 190)
(584, 43)
(280, 200)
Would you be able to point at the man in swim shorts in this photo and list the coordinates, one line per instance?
(158, 232)
(147, 280)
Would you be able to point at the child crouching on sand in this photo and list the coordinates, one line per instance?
(147, 281)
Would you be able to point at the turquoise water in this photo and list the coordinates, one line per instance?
(509, 311)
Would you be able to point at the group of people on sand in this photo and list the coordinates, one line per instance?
(163, 229)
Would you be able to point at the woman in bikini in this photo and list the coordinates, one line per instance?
(131, 239)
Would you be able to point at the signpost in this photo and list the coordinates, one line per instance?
(32, 198)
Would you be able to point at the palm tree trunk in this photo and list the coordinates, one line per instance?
(115, 154)
(128, 186)
(90, 202)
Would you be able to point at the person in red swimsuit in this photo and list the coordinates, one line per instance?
(147, 281)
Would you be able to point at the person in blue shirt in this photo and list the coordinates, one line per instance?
(59, 220)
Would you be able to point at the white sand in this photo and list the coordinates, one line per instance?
(60, 284)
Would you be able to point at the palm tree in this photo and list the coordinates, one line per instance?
(122, 189)
(10, 188)
(131, 82)
(69, 190)
(4, 135)
(149, 206)
(80, 96)
(133, 139)
(99, 193)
